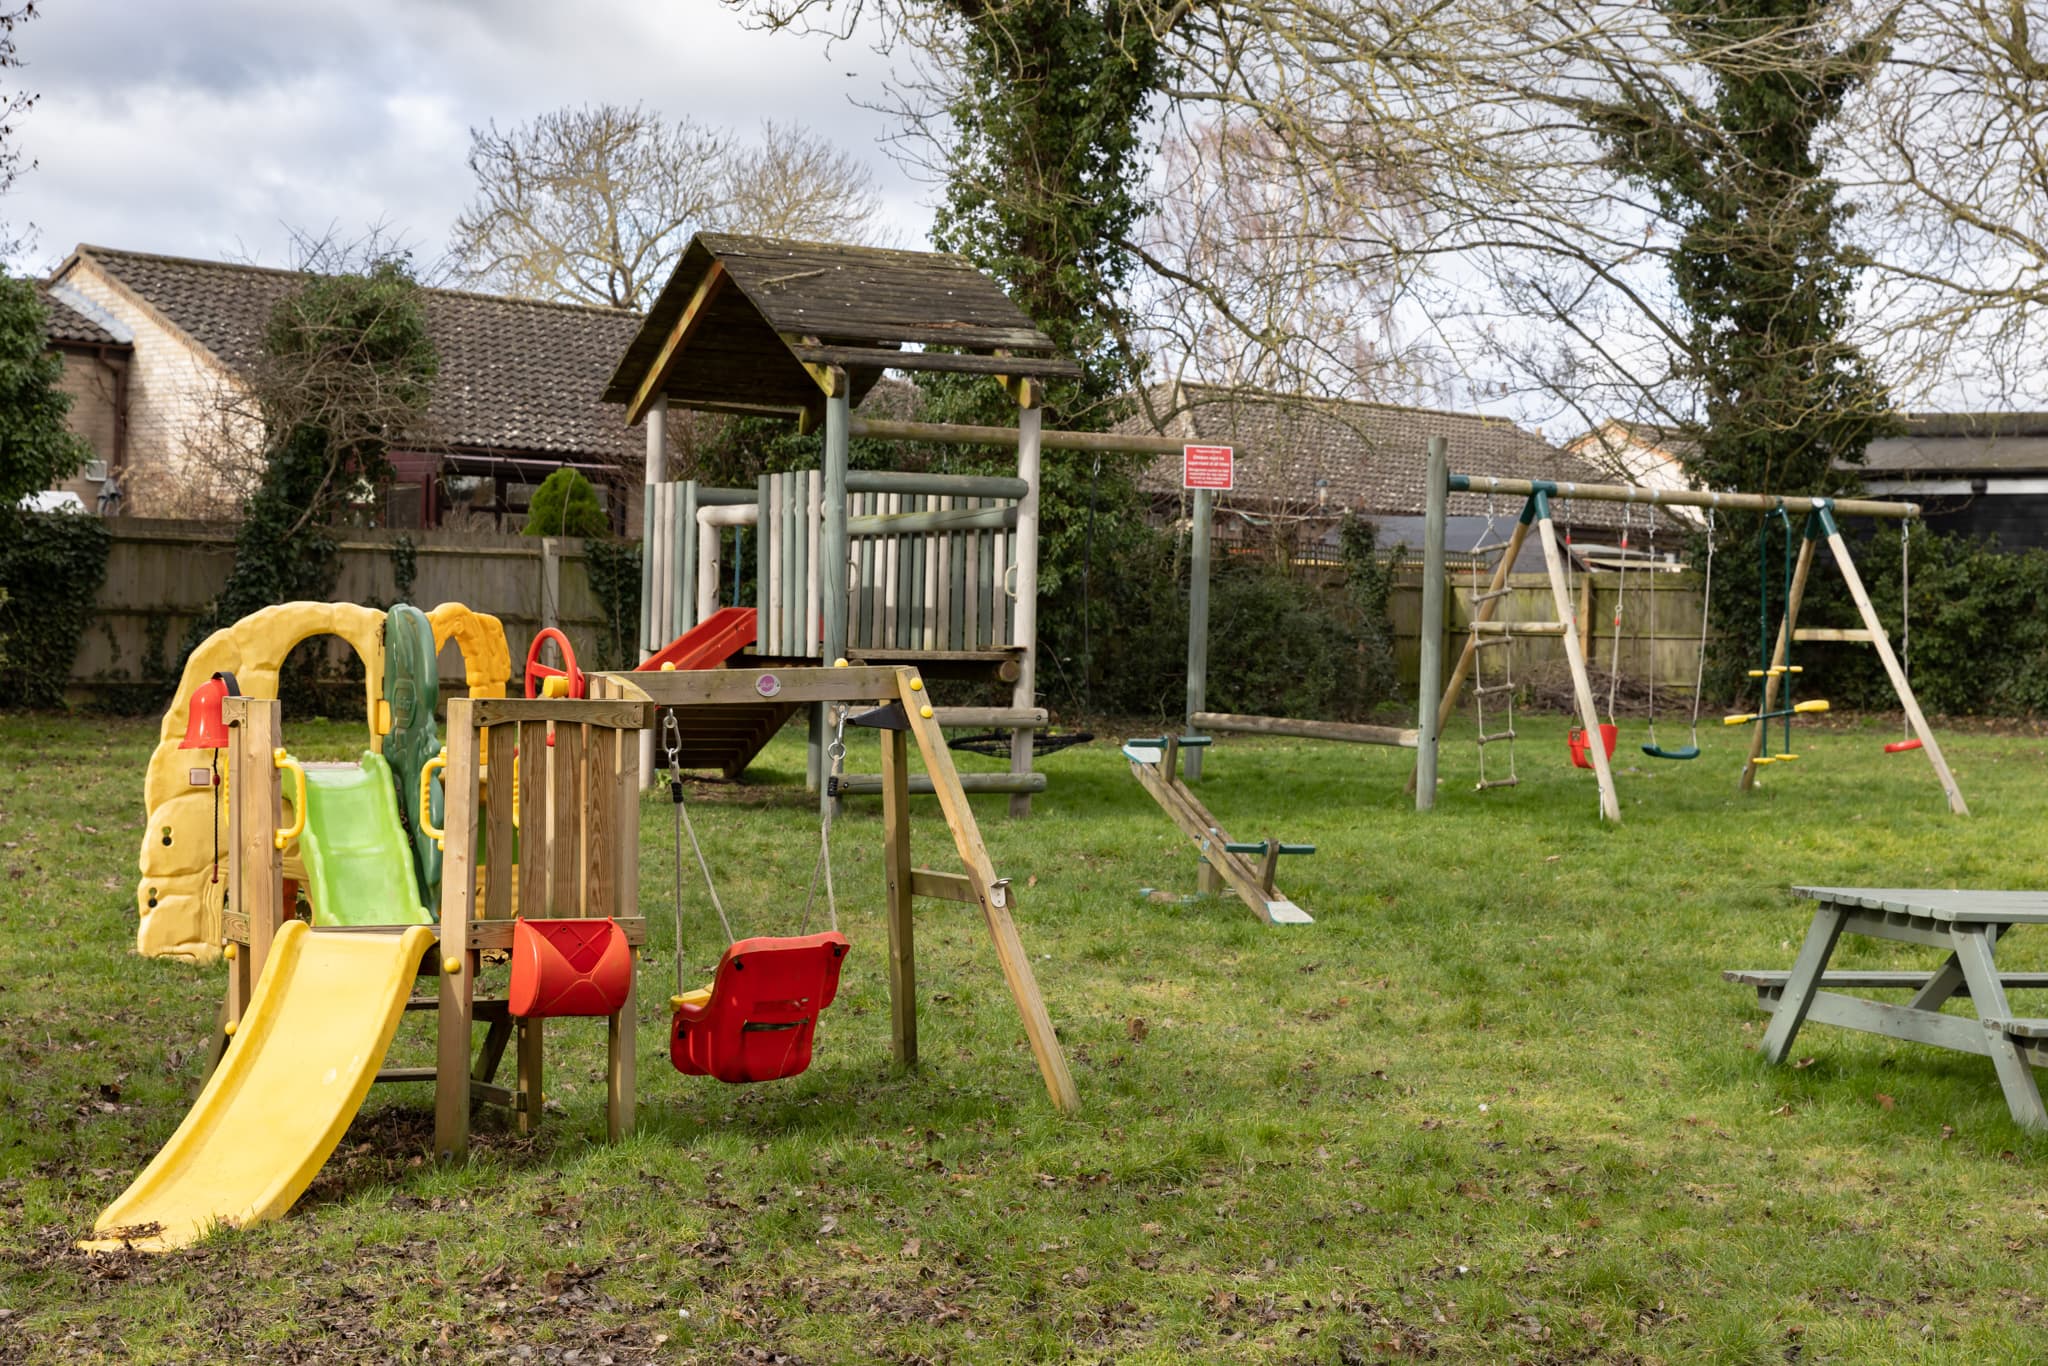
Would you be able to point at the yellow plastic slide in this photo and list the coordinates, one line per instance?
(298, 1067)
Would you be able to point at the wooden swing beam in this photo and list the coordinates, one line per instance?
(1683, 498)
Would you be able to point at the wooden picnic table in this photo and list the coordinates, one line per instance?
(1969, 925)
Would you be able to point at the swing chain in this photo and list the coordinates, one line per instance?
(835, 755)
(672, 741)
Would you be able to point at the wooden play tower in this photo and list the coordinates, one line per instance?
(885, 568)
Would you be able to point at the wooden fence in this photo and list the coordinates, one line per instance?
(161, 575)
(1660, 626)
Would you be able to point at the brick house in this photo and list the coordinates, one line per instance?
(97, 352)
(157, 349)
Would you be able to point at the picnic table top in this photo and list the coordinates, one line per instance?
(1938, 904)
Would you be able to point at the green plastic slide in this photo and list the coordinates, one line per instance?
(358, 860)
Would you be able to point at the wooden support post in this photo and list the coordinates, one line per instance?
(656, 468)
(1904, 689)
(458, 908)
(620, 1075)
(1429, 685)
(896, 886)
(1199, 538)
(832, 550)
(255, 815)
(687, 532)
(1582, 687)
(530, 1067)
(1786, 626)
(1030, 422)
(994, 895)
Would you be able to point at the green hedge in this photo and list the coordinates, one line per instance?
(1979, 627)
(51, 567)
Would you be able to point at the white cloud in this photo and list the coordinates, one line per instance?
(214, 127)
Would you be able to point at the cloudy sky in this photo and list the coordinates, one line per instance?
(213, 128)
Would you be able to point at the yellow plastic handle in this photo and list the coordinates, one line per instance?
(1743, 719)
(1804, 708)
(287, 764)
(427, 771)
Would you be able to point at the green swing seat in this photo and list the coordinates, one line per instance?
(1682, 752)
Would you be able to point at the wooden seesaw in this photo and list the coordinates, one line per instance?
(1155, 762)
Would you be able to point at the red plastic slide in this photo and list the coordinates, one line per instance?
(708, 644)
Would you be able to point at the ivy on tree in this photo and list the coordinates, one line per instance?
(347, 368)
(1762, 273)
(51, 564)
(37, 451)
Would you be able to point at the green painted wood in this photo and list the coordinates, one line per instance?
(1804, 983)
(1958, 1032)
(762, 527)
(956, 621)
(1882, 980)
(2002, 907)
(1974, 953)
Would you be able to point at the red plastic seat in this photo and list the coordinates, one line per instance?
(569, 967)
(763, 1011)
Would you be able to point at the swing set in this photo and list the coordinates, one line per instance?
(757, 1019)
(1592, 745)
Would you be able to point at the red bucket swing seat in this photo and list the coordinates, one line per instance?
(756, 1020)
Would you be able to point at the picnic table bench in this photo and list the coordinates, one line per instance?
(1969, 925)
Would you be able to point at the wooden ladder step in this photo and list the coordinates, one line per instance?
(1490, 594)
(1481, 642)
(1508, 734)
(1830, 634)
(1496, 782)
(1516, 628)
(1489, 689)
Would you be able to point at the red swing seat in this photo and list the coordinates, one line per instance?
(762, 1009)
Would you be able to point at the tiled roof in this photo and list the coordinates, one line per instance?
(1372, 454)
(515, 375)
(1963, 443)
(63, 323)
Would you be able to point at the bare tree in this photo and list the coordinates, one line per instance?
(794, 183)
(595, 205)
(589, 205)
(14, 102)
(1950, 154)
(1249, 282)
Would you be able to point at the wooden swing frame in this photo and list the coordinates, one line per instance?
(1536, 513)
(729, 691)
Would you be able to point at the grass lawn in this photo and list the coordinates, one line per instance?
(1495, 1105)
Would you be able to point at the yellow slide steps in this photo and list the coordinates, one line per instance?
(318, 1024)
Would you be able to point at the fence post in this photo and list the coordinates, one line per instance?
(1198, 621)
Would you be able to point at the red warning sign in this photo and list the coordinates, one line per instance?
(1207, 467)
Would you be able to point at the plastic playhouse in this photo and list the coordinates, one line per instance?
(502, 843)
